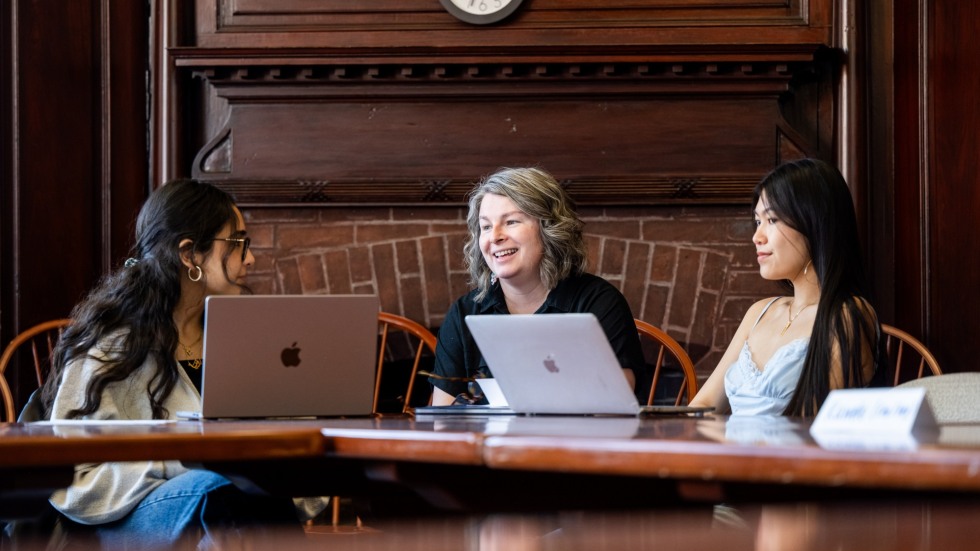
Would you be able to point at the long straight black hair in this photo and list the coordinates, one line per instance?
(812, 197)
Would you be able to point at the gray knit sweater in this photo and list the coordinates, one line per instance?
(104, 492)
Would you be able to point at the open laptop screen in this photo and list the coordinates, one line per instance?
(289, 355)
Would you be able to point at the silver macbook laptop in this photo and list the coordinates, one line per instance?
(553, 364)
(289, 355)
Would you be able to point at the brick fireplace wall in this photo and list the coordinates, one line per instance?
(689, 270)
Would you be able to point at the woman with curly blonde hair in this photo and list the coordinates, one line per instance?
(526, 254)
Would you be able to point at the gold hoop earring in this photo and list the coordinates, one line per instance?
(807, 267)
(200, 273)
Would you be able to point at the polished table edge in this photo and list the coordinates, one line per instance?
(932, 469)
(461, 448)
(69, 444)
(661, 449)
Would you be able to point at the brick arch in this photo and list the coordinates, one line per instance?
(691, 272)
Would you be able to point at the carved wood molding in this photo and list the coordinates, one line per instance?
(407, 118)
(325, 71)
(601, 190)
(333, 102)
(421, 23)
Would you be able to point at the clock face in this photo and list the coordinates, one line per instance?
(480, 12)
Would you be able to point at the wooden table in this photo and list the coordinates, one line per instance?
(37, 458)
(625, 461)
(514, 463)
(68, 443)
(751, 452)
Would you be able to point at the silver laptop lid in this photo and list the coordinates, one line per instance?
(553, 364)
(289, 355)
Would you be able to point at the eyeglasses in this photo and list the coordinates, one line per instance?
(243, 241)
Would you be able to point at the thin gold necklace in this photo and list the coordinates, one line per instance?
(793, 318)
(192, 363)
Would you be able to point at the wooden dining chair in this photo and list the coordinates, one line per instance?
(897, 342)
(40, 340)
(420, 339)
(667, 345)
(424, 341)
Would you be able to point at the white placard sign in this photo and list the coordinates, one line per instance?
(875, 412)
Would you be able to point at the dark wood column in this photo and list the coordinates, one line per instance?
(74, 156)
(926, 188)
(951, 187)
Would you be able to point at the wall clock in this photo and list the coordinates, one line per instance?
(481, 12)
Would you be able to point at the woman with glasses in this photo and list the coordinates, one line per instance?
(133, 351)
(526, 255)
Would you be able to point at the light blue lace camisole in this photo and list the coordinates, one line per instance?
(766, 392)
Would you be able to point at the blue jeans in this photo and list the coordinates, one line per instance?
(196, 509)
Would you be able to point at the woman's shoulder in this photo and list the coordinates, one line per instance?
(103, 348)
(467, 303)
(756, 309)
(468, 297)
(585, 287)
(586, 281)
(85, 366)
(110, 344)
(588, 278)
(761, 304)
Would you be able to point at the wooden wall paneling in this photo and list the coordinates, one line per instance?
(952, 190)
(52, 224)
(914, 189)
(7, 212)
(539, 23)
(880, 77)
(614, 133)
(850, 149)
(77, 151)
(925, 221)
(809, 107)
(910, 147)
(355, 101)
(124, 67)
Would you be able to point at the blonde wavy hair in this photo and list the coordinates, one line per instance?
(538, 195)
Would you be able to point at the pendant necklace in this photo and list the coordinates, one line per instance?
(196, 362)
(793, 318)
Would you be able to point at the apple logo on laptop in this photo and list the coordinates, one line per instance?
(550, 364)
(290, 356)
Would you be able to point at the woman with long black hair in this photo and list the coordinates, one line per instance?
(133, 352)
(789, 352)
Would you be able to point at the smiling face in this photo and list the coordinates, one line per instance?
(782, 251)
(510, 241)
